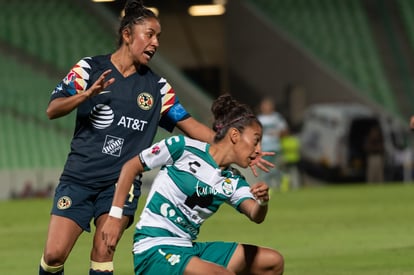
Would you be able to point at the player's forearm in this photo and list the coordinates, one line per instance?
(257, 207)
(258, 212)
(255, 210)
(128, 173)
(62, 106)
(196, 130)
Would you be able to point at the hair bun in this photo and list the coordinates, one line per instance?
(133, 7)
(223, 106)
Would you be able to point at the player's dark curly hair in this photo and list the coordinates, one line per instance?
(229, 113)
(135, 12)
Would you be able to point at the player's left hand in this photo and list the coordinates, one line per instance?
(262, 163)
(260, 191)
(111, 232)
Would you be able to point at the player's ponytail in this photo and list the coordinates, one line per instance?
(228, 113)
(134, 12)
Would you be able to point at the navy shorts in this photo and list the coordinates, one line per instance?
(82, 203)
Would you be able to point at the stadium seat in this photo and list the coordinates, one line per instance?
(337, 32)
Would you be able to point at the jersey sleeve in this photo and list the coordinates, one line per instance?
(171, 111)
(163, 153)
(241, 194)
(75, 82)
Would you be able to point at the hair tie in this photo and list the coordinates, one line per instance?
(220, 126)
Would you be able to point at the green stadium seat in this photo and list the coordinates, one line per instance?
(45, 28)
(337, 32)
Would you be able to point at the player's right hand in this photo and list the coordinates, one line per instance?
(111, 232)
(100, 84)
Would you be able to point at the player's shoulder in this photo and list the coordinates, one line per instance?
(195, 143)
(94, 62)
(235, 173)
(185, 141)
(100, 61)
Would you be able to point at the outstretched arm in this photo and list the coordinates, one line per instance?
(112, 228)
(194, 129)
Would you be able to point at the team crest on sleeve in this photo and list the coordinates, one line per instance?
(64, 203)
(145, 101)
(76, 79)
(227, 186)
(155, 150)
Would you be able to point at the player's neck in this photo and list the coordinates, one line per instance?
(220, 154)
(123, 64)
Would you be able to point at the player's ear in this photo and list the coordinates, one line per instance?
(234, 135)
(126, 35)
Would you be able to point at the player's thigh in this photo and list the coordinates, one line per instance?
(103, 201)
(75, 202)
(197, 266)
(62, 235)
(251, 258)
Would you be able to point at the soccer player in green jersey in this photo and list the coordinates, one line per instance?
(194, 180)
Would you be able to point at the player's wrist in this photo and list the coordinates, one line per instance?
(116, 212)
(262, 202)
(87, 94)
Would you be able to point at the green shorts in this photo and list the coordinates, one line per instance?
(168, 259)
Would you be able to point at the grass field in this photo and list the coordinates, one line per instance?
(330, 230)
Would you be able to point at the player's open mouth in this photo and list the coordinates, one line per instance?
(150, 53)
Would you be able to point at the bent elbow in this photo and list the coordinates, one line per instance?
(50, 114)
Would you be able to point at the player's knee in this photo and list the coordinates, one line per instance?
(101, 253)
(278, 262)
(53, 258)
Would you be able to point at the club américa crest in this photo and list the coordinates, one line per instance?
(64, 203)
(145, 101)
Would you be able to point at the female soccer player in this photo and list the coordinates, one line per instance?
(195, 179)
(120, 103)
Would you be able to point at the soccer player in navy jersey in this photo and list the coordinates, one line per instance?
(120, 103)
(195, 179)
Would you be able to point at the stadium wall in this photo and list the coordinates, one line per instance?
(28, 183)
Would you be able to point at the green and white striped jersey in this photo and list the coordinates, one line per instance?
(189, 188)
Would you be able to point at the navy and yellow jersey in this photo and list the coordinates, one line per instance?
(189, 188)
(118, 123)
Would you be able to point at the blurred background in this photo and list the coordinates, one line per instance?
(334, 68)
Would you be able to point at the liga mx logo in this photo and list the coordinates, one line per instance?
(145, 101)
